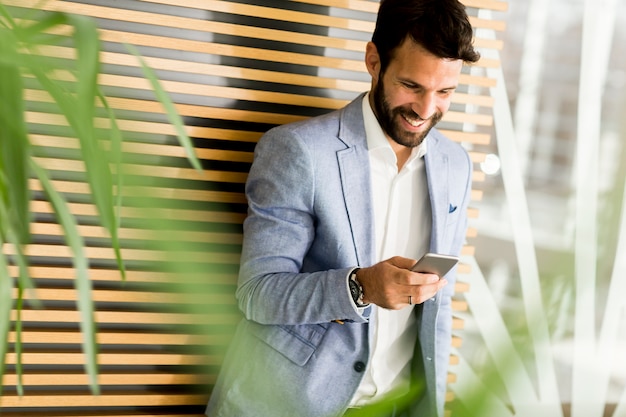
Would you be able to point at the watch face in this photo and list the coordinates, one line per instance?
(354, 290)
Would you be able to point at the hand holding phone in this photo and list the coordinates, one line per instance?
(434, 263)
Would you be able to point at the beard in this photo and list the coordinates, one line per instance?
(387, 117)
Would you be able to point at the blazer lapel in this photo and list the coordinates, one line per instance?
(437, 176)
(353, 162)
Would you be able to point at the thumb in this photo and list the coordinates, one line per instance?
(401, 262)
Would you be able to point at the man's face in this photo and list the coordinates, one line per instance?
(413, 93)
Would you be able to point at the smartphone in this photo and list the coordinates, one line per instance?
(434, 263)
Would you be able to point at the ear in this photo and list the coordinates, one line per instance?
(372, 61)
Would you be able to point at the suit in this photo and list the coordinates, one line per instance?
(310, 221)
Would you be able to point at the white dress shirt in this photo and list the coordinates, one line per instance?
(403, 220)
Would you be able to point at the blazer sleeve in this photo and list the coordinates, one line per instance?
(278, 232)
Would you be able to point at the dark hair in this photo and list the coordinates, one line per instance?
(441, 27)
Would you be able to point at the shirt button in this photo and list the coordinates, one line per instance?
(359, 366)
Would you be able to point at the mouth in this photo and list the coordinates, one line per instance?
(414, 122)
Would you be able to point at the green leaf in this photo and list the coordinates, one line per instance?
(8, 21)
(167, 103)
(116, 158)
(82, 283)
(25, 283)
(14, 152)
(95, 157)
(79, 110)
(35, 33)
(4, 209)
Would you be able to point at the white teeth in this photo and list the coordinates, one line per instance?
(414, 123)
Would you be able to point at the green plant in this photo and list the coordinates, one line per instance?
(77, 102)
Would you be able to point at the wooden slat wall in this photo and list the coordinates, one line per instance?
(234, 69)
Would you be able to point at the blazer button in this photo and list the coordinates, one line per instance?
(359, 366)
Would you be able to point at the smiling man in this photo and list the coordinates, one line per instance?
(340, 207)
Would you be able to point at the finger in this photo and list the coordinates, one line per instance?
(421, 293)
(401, 262)
(419, 278)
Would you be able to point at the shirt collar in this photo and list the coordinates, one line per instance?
(376, 138)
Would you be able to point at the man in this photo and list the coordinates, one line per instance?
(340, 207)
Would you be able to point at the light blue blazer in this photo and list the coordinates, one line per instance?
(310, 221)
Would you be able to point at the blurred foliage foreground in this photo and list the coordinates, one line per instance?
(78, 101)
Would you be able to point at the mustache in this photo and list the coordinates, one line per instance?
(412, 115)
(409, 113)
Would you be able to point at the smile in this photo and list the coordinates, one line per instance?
(414, 122)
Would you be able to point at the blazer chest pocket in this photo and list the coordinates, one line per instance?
(454, 213)
(297, 343)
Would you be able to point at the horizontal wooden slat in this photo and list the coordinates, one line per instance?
(461, 287)
(469, 137)
(52, 229)
(358, 5)
(104, 379)
(489, 43)
(497, 5)
(147, 149)
(477, 195)
(117, 358)
(124, 338)
(100, 413)
(477, 157)
(82, 209)
(68, 273)
(463, 269)
(133, 297)
(460, 117)
(457, 323)
(459, 305)
(176, 194)
(163, 129)
(468, 250)
(58, 251)
(69, 165)
(103, 400)
(122, 317)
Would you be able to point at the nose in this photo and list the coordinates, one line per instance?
(424, 105)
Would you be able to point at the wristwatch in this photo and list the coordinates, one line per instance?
(356, 290)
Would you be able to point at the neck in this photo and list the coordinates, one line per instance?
(402, 153)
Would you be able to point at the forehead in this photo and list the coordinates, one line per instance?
(411, 62)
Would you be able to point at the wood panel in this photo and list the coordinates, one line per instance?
(234, 70)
